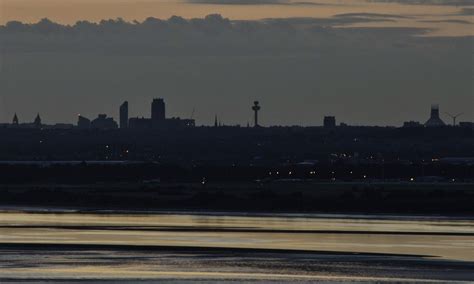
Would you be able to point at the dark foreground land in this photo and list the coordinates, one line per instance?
(258, 196)
(237, 145)
(117, 263)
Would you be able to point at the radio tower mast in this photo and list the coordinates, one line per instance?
(256, 108)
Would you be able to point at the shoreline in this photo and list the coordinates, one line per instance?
(253, 197)
(191, 249)
(237, 213)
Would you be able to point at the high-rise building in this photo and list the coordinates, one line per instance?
(158, 115)
(124, 115)
(329, 121)
(435, 120)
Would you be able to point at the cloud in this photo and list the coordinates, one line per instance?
(211, 24)
(371, 15)
(212, 34)
(428, 2)
(450, 21)
(467, 12)
(240, 2)
(327, 22)
(257, 2)
(352, 18)
(300, 69)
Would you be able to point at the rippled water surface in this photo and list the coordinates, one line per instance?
(189, 245)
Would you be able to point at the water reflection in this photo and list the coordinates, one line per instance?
(444, 238)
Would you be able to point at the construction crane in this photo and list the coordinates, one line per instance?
(454, 117)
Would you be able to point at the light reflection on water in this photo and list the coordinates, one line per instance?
(439, 237)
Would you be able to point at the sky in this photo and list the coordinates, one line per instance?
(69, 11)
(368, 62)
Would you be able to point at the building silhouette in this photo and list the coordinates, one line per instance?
(176, 122)
(29, 125)
(329, 121)
(62, 126)
(139, 123)
(466, 124)
(83, 122)
(37, 122)
(158, 119)
(15, 120)
(124, 115)
(435, 120)
(158, 114)
(104, 122)
(412, 124)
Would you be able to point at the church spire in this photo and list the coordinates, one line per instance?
(38, 121)
(15, 120)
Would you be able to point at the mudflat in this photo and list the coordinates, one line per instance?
(202, 247)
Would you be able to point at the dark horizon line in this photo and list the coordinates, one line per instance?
(250, 123)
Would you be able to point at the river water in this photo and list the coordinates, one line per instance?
(182, 246)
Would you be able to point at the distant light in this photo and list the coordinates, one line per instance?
(278, 173)
(290, 173)
(412, 179)
(365, 176)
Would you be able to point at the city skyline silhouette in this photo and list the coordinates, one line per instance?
(230, 141)
(302, 68)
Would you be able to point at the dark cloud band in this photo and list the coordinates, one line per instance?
(427, 2)
(256, 2)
